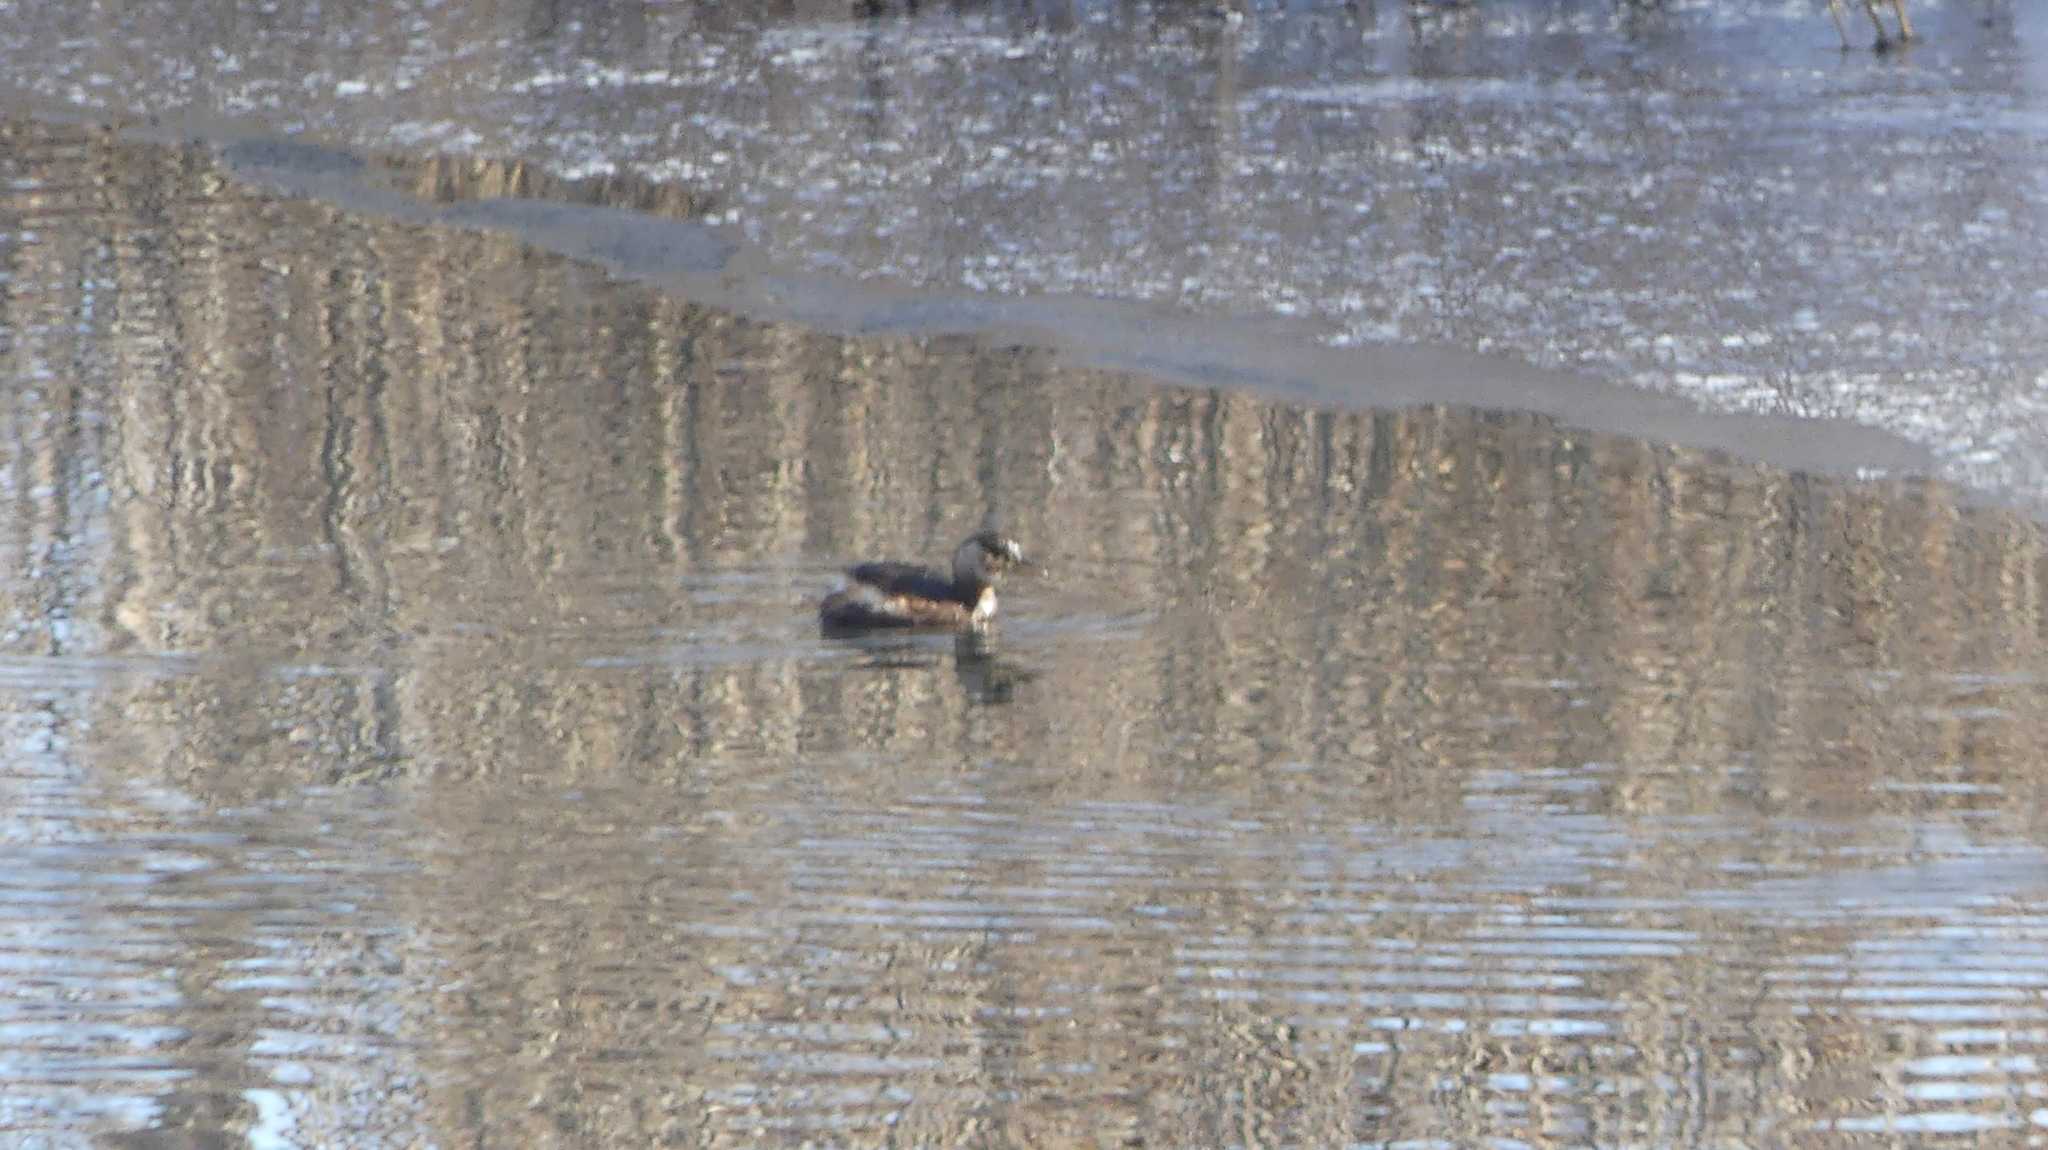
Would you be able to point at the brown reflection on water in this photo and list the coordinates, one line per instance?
(418, 729)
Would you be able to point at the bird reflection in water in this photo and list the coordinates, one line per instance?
(986, 677)
(975, 657)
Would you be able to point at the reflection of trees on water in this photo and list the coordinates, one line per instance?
(440, 479)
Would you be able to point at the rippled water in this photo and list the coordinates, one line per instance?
(1705, 198)
(417, 733)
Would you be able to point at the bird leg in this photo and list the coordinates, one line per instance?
(1835, 13)
(1884, 38)
(1884, 41)
(1905, 25)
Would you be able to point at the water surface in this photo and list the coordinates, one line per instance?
(1705, 199)
(417, 733)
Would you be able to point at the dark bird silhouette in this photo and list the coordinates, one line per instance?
(897, 595)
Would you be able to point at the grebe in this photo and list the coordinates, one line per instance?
(886, 595)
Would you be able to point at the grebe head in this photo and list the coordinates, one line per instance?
(986, 557)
